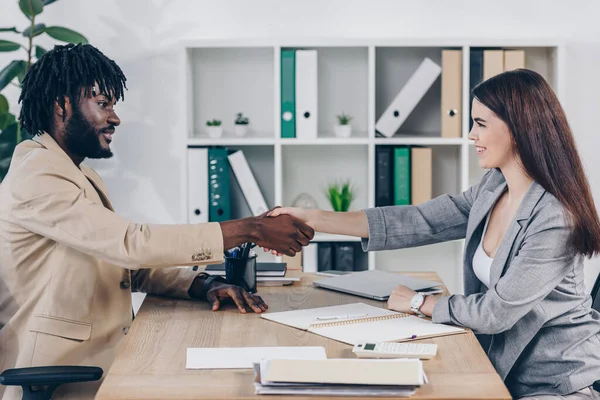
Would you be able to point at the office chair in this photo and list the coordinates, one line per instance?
(45, 380)
(596, 306)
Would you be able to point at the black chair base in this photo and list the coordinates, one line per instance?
(39, 383)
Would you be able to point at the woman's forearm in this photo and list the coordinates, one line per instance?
(342, 223)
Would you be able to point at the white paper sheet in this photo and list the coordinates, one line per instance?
(244, 357)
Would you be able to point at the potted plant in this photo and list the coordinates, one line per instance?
(343, 128)
(215, 130)
(11, 132)
(241, 125)
(340, 196)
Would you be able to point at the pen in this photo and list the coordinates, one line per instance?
(342, 316)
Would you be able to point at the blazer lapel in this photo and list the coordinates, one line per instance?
(48, 142)
(532, 197)
(98, 185)
(481, 208)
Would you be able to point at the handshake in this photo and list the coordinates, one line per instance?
(282, 232)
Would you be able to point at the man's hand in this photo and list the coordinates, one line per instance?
(283, 234)
(221, 291)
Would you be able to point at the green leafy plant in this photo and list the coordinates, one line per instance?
(214, 122)
(340, 195)
(241, 120)
(11, 133)
(344, 119)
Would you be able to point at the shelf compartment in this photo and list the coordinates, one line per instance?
(309, 169)
(225, 81)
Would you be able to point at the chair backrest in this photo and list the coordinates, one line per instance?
(595, 294)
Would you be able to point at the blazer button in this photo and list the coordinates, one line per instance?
(125, 284)
(125, 330)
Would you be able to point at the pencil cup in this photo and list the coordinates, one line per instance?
(241, 272)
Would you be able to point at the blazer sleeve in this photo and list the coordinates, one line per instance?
(55, 207)
(171, 282)
(542, 262)
(438, 220)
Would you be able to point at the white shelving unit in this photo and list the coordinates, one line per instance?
(359, 77)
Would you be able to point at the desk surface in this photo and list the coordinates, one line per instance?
(151, 360)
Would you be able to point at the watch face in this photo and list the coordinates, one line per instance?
(416, 301)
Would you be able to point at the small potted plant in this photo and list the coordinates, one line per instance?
(343, 128)
(215, 130)
(340, 196)
(241, 125)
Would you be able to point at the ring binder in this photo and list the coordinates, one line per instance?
(382, 325)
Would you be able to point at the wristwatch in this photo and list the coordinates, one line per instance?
(416, 302)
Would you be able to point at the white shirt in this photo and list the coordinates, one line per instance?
(482, 263)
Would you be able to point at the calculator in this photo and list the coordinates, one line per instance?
(423, 351)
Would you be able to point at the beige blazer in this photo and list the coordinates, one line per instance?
(68, 264)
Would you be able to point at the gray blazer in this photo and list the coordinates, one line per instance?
(535, 321)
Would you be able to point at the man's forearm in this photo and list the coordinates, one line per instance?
(238, 231)
(342, 223)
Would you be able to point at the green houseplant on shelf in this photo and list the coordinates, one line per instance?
(340, 195)
(344, 127)
(241, 125)
(215, 130)
(11, 133)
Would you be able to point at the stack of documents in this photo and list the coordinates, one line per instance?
(339, 377)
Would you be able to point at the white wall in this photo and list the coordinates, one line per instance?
(138, 35)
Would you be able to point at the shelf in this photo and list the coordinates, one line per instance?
(419, 141)
(325, 141)
(328, 237)
(230, 141)
(360, 77)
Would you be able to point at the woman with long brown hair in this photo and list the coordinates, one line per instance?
(528, 225)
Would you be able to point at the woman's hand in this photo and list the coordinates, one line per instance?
(307, 216)
(400, 301)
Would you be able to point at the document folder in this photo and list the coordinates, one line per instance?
(407, 99)
(306, 94)
(197, 164)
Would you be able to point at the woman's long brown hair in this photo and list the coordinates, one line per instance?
(544, 143)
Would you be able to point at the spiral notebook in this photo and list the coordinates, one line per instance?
(360, 322)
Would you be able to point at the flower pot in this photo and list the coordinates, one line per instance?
(343, 131)
(215, 131)
(240, 130)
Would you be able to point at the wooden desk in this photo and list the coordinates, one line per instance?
(151, 360)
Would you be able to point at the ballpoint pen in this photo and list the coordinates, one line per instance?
(346, 316)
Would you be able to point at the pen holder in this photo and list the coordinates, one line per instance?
(241, 272)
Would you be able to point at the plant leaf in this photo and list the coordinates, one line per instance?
(65, 35)
(6, 120)
(13, 29)
(38, 29)
(3, 105)
(8, 141)
(9, 135)
(39, 51)
(31, 7)
(7, 45)
(10, 72)
(46, 2)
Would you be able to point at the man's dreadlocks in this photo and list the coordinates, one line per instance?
(61, 72)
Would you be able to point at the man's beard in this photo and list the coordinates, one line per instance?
(82, 139)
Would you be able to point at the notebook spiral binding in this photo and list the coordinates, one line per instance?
(358, 320)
